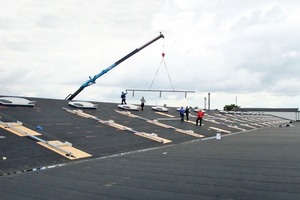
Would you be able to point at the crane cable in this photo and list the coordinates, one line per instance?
(162, 61)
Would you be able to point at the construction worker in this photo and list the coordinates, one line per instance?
(123, 97)
(142, 103)
(199, 117)
(187, 112)
(181, 112)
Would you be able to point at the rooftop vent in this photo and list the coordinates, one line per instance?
(16, 101)
(83, 104)
(129, 107)
(160, 109)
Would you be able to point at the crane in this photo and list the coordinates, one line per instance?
(92, 80)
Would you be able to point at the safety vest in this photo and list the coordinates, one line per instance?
(200, 114)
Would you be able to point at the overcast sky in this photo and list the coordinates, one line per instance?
(241, 51)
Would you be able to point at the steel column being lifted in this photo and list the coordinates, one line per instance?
(161, 91)
(92, 80)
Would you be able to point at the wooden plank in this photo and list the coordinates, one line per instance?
(19, 129)
(153, 137)
(247, 125)
(81, 113)
(164, 114)
(189, 132)
(212, 121)
(220, 130)
(118, 126)
(159, 124)
(168, 119)
(127, 113)
(77, 154)
(121, 127)
(236, 127)
(155, 122)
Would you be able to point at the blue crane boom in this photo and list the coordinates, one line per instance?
(92, 80)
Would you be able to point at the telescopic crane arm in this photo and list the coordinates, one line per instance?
(92, 80)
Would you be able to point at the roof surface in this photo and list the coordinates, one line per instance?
(270, 109)
(254, 159)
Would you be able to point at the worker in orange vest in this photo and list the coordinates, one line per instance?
(199, 117)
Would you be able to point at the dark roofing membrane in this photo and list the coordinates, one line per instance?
(259, 162)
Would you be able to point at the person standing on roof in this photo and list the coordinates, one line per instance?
(181, 112)
(187, 111)
(123, 97)
(199, 117)
(143, 101)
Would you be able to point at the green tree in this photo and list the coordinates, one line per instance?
(231, 107)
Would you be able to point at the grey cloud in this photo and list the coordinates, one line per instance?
(211, 46)
(49, 21)
(260, 17)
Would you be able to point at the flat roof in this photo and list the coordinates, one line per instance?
(257, 156)
(261, 164)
